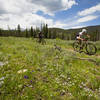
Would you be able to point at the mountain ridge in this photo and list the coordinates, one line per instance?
(89, 29)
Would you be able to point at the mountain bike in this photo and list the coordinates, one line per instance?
(87, 47)
(42, 41)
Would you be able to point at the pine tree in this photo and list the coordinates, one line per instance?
(19, 30)
(63, 36)
(37, 31)
(49, 34)
(26, 31)
(31, 31)
(46, 31)
(43, 30)
(34, 33)
(0, 32)
(9, 31)
(97, 35)
(54, 34)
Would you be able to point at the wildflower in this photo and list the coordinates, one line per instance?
(80, 86)
(73, 83)
(51, 95)
(22, 71)
(31, 81)
(62, 76)
(1, 64)
(26, 77)
(68, 78)
(90, 95)
(2, 78)
(87, 89)
(70, 94)
(1, 83)
(65, 83)
(30, 86)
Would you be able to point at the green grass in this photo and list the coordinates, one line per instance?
(33, 71)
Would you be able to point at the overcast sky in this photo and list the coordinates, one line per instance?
(56, 13)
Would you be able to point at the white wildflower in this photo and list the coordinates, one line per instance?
(80, 86)
(68, 78)
(2, 78)
(62, 75)
(3, 63)
(70, 94)
(30, 86)
(73, 83)
(22, 71)
(90, 95)
(1, 83)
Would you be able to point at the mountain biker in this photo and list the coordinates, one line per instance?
(40, 36)
(81, 36)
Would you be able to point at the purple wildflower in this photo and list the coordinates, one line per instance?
(26, 77)
(31, 81)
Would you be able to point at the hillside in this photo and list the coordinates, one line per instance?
(89, 28)
(31, 71)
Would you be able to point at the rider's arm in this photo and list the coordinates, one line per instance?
(80, 38)
(88, 36)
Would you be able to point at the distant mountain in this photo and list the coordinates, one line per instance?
(89, 29)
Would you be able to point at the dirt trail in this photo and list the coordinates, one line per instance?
(98, 56)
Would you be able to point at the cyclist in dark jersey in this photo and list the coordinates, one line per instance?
(40, 36)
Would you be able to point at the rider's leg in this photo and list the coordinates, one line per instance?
(81, 44)
(39, 40)
(80, 41)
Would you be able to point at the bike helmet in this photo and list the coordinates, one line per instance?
(84, 30)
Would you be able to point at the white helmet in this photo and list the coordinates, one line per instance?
(84, 30)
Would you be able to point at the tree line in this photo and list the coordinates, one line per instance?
(50, 33)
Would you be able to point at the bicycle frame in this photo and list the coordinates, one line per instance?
(83, 43)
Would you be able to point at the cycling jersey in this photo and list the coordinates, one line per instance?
(81, 35)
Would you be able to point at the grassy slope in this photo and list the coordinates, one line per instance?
(36, 71)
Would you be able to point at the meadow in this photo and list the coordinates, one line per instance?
(32, 71)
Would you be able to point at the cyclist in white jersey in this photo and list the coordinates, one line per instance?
(81, 36)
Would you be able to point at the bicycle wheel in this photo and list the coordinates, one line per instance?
(43, 41)
(76, 46)
(91, 49)
(39, 40)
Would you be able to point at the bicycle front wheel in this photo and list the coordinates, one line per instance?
(76, 46)
(91, 49)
